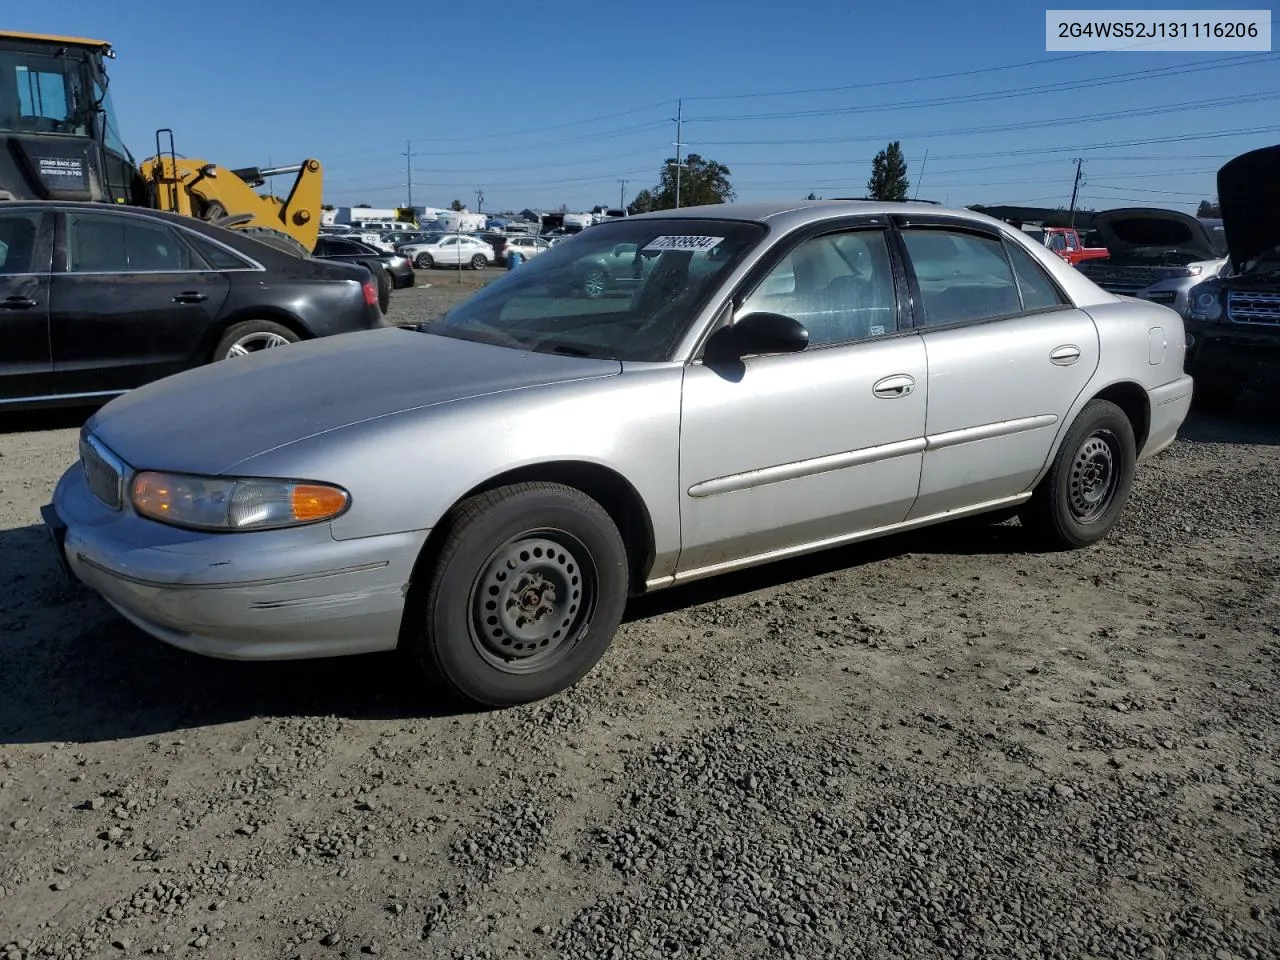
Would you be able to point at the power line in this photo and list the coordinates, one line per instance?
(1152, 73)
(1180, 107)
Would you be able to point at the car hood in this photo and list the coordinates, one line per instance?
(211, 418)
(1133, 228)
(1249, 198)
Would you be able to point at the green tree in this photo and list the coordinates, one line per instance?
(812, 196)
(458, 206)
(365, 206)
(642, 202)
(701, 181)
(889, 174)
(1209, 209)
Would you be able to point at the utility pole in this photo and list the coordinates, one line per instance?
(622, 194)
(924, 163)
(1075, 190)
(479, 201)
(678, 144)
(408, 170)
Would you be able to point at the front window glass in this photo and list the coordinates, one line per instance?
(624, 291)
(42, 94)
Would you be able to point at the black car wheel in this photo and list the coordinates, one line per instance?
(423, 261)
(1083, 494)
(523, 598)
(251, 336)
(479, 262)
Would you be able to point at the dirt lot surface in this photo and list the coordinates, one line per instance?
(436, 291)
(937, 745)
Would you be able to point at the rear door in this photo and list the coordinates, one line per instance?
(25, 243)
(130, 302)
(1007, 356)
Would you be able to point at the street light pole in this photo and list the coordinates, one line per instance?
(678, 144)
(622, 195)
(408, 170)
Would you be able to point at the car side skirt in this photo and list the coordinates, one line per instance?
(815, 546)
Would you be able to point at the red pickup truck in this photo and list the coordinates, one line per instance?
(1065, 242)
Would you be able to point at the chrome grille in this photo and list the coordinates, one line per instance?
(103, 471)
(1253, 307)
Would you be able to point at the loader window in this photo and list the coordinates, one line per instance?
(109, 244)
(40, 94)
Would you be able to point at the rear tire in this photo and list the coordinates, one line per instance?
(523, 598)
(252, 336)
(594, 283)
(1083, 494)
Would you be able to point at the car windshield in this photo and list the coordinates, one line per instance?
(624, 291)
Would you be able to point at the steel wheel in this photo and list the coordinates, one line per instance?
(1093, 479)
(532, 600)
(594, 283)
(255, 342)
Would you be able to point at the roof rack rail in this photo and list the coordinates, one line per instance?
(874, 200)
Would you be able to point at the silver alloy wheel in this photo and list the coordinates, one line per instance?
(423, 261)
(1094, 478)
(254, 342)
(593, 283)
(532, 601)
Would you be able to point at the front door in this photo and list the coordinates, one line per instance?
(130, 302)
(791, 451)
(25, 363)
(1008, 355)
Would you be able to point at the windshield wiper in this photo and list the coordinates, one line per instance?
(566, 349)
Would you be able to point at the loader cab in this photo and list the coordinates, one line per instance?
(59, 138)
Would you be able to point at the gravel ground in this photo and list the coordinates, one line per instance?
(436, 291)
(937, 745)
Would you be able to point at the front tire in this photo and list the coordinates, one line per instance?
(424, 261)
(479, 262)
(524, 596)
(1083, 494)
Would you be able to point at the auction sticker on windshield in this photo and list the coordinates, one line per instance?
(682, 243)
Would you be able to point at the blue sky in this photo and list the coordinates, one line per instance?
(551, 102)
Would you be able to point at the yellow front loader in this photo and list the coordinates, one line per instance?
(59, 140)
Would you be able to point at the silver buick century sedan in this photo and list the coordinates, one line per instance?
(484, 491)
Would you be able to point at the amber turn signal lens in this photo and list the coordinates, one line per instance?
(313, 502)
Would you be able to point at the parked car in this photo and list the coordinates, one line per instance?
(485, 490)
(449, 250)
(529, 246)
(1233, 320)
(1155, 254)
(388, 242)
(397, 266)
(97, 299)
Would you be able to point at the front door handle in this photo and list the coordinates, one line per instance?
(890, 388)
(190, 296)
(17, 303)
(1065, 355)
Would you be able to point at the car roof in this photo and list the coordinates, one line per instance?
(786, 214)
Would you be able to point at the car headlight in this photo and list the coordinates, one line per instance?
(221, 503)
(1173, 273)
(1204, 303)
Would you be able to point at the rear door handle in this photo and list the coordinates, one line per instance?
(1065, 355)
(890, 388)
(17, 303)
(190, 296)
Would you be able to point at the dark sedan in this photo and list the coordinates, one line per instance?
(353, 251)
(96, 299)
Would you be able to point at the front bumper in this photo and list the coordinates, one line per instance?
(261, 595)
(1235, 356)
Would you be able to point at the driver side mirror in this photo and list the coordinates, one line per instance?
(756, 333)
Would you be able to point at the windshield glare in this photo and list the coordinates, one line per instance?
(625, 291)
